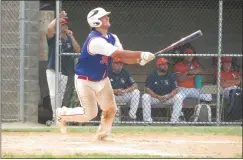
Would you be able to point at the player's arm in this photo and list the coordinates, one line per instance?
(52, 25)
(75, 44)
(130, 83)
(228, 83)
(172, 94)
(119, 46)
(183, 75)
(148, 85)
(132, 88)
(99, 45)
(152, 93)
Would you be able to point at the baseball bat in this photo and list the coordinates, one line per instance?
(182, 41)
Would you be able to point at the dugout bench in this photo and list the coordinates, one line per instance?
(162, 112)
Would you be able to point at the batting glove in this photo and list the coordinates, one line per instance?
(146, 57)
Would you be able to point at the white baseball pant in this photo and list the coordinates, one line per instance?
(89, 94)
(176, 101)
(50, 75)
(132, 97)
(194, 93)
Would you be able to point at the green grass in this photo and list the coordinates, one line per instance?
(95, 155)
(237, 131)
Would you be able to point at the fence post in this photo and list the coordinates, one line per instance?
(0, 71)
(22, 54)
(219, 58)
(57, 54)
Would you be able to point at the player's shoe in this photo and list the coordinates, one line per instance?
(59, 121)
(104, 138)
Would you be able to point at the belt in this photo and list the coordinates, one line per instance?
(89, 79)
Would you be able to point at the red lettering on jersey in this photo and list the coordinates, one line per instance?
(104, 60)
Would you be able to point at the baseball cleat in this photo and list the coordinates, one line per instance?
(59, 122)
(104, 138)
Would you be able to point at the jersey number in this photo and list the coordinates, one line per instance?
(104, 60)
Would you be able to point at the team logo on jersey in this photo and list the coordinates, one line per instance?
(111, 80)
(68, 45)
(155, 82)
(104, 60)
(166, 82)
(122, 80)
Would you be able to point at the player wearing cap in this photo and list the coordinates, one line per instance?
(230, 79)
(124, 87)
(91, 75)
(68, 44)
(161, 87)
(186, 72)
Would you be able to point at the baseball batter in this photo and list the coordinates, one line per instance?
(91, 81)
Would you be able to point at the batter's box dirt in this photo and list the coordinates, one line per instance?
(181, 145)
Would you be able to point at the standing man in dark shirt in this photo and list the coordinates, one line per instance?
(124, 86)
(161, 87)
(68, 45)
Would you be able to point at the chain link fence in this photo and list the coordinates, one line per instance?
(152, 26)
(19, 61)
(142, 25)
(10, 61)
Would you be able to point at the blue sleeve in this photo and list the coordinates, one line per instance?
(173, 80)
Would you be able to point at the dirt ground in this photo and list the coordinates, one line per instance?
(162, 144)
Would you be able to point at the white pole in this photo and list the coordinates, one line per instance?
(0, 74)
(219, 59)
(57, 55)
(22, 54)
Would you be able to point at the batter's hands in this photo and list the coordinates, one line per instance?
(146, 57)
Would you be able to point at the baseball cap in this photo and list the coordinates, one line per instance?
(188, 51)
(226, 59)
(63, 21)
(161, 61)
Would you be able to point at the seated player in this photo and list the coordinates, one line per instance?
(161, 87)
(186, 72)
(230, 79)
(124, 86)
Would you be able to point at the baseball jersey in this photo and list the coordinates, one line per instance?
(231, 75)
(121, 80)
(181, 67)
(161, 84)
(94, 59)
(66, 62)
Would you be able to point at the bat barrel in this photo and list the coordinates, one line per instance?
(182, 41)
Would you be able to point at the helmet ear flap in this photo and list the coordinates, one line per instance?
(95, 23)
(98, 23)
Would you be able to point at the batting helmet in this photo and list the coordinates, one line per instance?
(94, 16)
